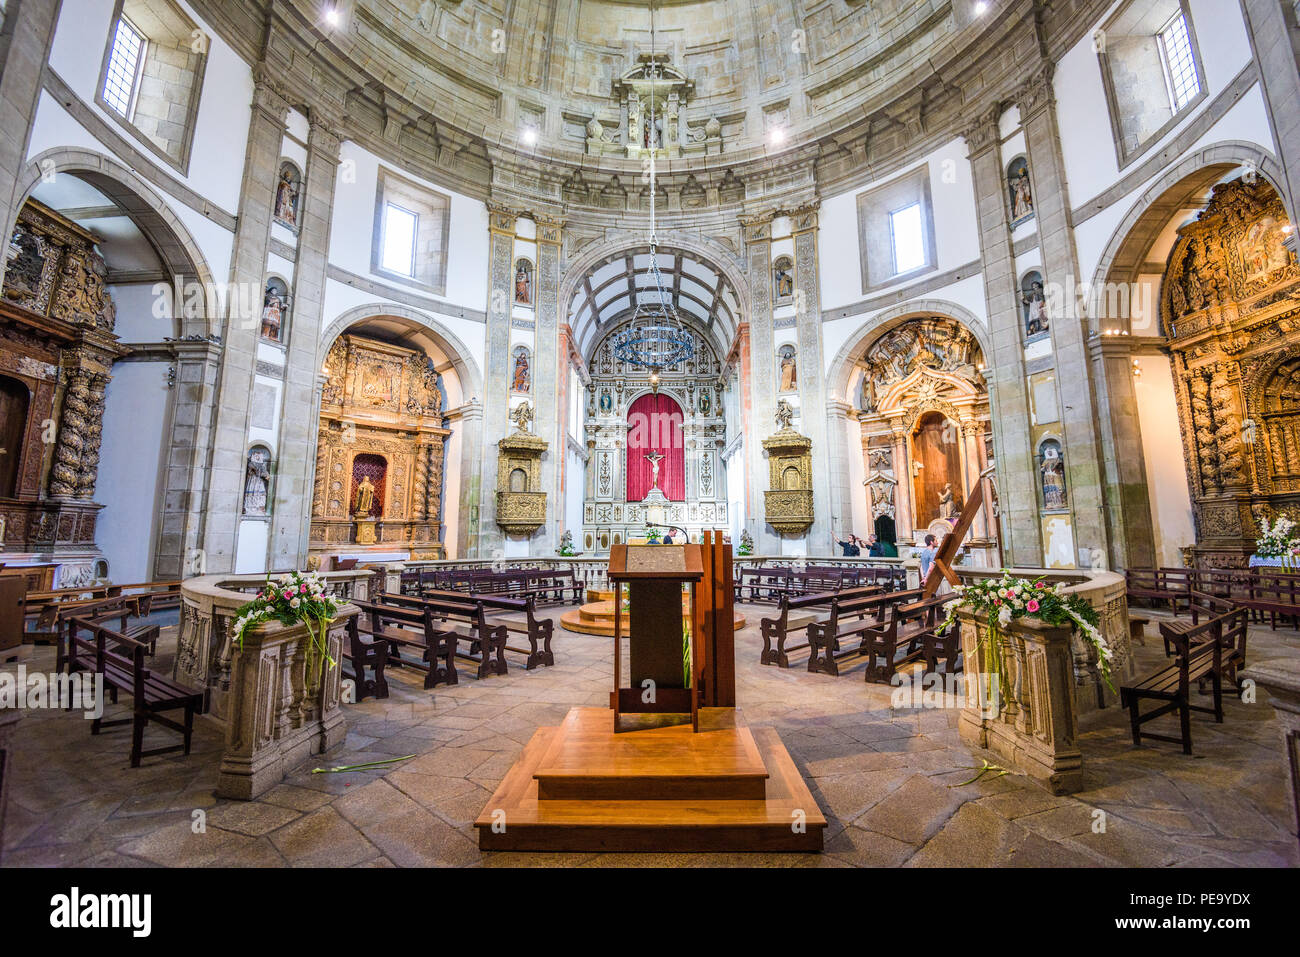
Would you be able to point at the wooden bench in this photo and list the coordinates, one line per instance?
(464, 619)
(538, 631)
(779, 629)
(852, 616)
(121, 608)
(429, 646)
(1200, 655)
(1159, 585)
(913, 632)
(121, 662)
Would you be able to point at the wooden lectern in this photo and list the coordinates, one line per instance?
(679, 626)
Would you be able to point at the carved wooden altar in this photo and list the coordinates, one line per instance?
(381, 404)
(56, 326)
(925, 425)
(1230, 305)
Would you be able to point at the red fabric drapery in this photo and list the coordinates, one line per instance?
(654, 424)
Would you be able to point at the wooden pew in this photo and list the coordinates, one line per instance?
(121, 608)
(1200, 654)
(430, 648)
(464, 618)
(914, 629)
(780, 631)
(854, 616)
(538, 631)
(121, 661)
(1159, 585)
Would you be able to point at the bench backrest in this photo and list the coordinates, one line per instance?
(454, 606)
(856, 605)
(109, 647)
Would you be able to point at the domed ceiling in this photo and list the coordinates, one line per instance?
(556, 86)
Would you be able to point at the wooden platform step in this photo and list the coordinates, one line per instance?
(787, 818)
(585, 762)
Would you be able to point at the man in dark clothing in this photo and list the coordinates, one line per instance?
(874, 548)
(850, 547)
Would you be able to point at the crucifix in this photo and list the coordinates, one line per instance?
(653, 458)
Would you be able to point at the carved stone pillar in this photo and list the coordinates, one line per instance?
(903, 490)
(547, 373)
(812, 383)
(1021, 532)
(1060, 263)
(757, 231)
(300, 409)
(486, 540)
(1128, 504)
(973, 464)
(234, 399)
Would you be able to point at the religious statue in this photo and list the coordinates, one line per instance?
(705, 404)
(521, 415)
(521, 381)
(1053, 475)
(789, 370)
(257, 476)
(286, 197)
(1022, 197)
(783, 281)
(1035, 308)
(948, 506)
(365, 498)
(524, 282)
(606, 403)
(654, 458)
(272, 312)
(784, 414)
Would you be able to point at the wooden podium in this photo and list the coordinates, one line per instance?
(676, 769)
(677, 664)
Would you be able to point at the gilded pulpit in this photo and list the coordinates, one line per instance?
(788, 501)
(521, 503)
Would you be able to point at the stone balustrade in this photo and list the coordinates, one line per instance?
(1280, 678)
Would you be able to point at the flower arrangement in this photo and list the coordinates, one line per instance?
(1000, 601)
(746, 546)
(566, 549)
(652, 535)
(1278, 541)
(290, 599)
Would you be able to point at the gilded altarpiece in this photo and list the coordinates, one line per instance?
(925, 426)
(57, 349)
(380, 400)
(1230, 304)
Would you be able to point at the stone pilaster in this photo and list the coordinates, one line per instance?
(812, 370)
(1274, 29)
(1069, 329)
(225, 475)
(757, 232)
(486, 539)
(1128, 504)
(1021, 532)
(839, 419)
(24, 51)
(300, 415)
(547, 384)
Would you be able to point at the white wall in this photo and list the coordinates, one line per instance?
(1162, 447)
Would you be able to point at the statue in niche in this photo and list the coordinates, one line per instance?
(705, 403)
(524, 282)
(789, 370)
(949, 507)
(606, 403)
(1034, 302)
(286, 196)
(782, 280)
(521, 381)
(1021, 193)
(1052, 471)
(257, 477)
(365, 498)
(274, 305)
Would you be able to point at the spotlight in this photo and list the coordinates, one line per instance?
(332, 16)
(776, 135)
(529, 135)
(981, 8)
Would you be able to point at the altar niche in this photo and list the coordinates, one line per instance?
(937, 468)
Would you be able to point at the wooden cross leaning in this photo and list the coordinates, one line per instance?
(947, 551)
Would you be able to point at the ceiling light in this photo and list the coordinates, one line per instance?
(332, 16)
(530, 135)
(981, 8)
(776, 135)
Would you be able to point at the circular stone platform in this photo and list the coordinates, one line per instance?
(597, 617)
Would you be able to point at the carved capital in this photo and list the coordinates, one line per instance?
(1035, 93)
(982, 134)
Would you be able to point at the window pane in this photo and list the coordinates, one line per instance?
(1177, 46)
(123, 63)
(399, 240)
(909, 243)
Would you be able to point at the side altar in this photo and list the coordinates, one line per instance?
(671, 764)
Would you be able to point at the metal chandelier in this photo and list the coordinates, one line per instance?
(655, 338)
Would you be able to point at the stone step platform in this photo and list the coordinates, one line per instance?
(597, 618)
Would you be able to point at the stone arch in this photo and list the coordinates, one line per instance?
(1126, 249)
(844, 365)
(175, 247)
(467, 370)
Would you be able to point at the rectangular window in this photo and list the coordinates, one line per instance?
(124, 68)
(400, 227)
(1180, 67)
(908, 237)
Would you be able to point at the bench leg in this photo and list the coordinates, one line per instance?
(1134, 720)
(1185, 721)
(189, 726)
(137, 737)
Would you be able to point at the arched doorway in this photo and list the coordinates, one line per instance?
(14, 397)
(656, 454)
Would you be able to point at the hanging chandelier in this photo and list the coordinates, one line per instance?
(655, 338)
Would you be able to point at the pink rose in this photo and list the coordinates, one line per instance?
(1041, 585)
(302, 590)
(1033, 605)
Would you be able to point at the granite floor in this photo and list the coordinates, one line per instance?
(895, 785)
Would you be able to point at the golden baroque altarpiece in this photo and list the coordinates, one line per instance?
(381, 403)
(1230, 305)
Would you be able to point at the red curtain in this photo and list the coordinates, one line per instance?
(654, 424)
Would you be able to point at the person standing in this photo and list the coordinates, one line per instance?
(874, 548)
(850, 546)
(927, 556)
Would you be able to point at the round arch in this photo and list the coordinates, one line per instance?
(711, 253)
(1174, 189)
(175, 247)
(845, 362)
(467, 370)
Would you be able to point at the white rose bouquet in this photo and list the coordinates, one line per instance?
(292, 598)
